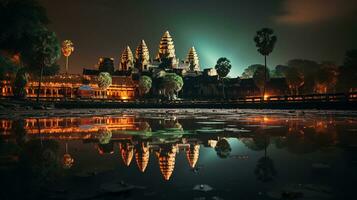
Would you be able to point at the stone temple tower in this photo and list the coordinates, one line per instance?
(167, 49)
(142, 57)
(126, 60)
(192, 60)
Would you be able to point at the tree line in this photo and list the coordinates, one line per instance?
(308, 76)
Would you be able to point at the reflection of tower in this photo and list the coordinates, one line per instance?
(192, 154)
(127, 152)
(166, 157)
(142, 156)
(68, 160)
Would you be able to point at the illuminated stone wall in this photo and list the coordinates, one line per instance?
(66, 86)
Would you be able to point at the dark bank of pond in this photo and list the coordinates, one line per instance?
(178, 154)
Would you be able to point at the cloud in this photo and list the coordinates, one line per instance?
(297, 12)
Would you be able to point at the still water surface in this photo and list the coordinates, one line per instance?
(179, 154)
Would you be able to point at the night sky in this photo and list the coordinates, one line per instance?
(320, 30)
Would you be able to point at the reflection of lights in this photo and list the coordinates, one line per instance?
(266, 96)
(68, 161)
(212, 143)
(265, 119)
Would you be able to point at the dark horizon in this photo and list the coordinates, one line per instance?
(319, 30)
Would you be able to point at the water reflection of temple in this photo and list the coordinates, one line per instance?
(138, 144)
(77, 127)
(164, 153)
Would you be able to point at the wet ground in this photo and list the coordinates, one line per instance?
(178, 154)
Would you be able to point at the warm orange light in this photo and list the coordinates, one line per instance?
(265, 119)
(266, 96)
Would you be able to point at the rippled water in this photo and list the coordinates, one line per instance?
(178, 154)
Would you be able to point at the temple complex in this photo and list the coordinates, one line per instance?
(125, 78)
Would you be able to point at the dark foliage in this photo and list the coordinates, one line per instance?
(106, 65)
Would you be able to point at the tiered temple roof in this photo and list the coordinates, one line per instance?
(192, 60)
(167, 47)
(142, 56)
(126, 59)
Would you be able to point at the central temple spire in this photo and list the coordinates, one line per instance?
(167, 48)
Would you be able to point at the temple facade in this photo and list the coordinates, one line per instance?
(73, 86)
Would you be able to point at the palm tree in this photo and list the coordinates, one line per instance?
(265, 169)
(265, 41)
(223, 68)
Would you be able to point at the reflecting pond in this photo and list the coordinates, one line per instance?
(178, 154)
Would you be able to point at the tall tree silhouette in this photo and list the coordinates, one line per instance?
(45, 52)
(265, 41)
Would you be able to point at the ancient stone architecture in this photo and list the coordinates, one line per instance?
(126, 60)
(198, 84)
(68, 86)
(192, 60)
(142, 57)
(167, 49)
